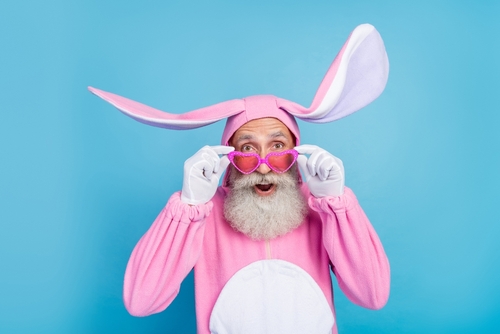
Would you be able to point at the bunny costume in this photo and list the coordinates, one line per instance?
(282, 285)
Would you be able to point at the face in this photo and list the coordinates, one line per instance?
(263, 136)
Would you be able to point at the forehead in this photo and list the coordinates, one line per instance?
(262, 127)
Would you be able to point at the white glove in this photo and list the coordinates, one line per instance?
(324, 173)
(202, 173)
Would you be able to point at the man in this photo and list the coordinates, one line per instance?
(262, 245)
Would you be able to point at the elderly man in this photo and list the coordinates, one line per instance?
(263, 244)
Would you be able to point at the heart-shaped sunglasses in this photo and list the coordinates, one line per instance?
(279, 162)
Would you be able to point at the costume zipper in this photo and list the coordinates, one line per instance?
(268, 249)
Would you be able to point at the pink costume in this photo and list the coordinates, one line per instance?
(281, 285)
(336, 231)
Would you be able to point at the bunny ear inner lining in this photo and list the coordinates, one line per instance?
(357, 76)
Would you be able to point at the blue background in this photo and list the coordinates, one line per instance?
(80, 182)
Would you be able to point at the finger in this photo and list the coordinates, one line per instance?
(306, 149)
(340, 166)
(212, 157)
(207, 168)
(302, 162)
(314, 152)
(202, 168)
(222, 149)
(314, 160)
(325, 165)
(224, 162)
(339, 162)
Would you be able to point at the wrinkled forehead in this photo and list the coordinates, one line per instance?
(268, 128)
(256, 107)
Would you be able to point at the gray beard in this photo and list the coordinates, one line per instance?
(265, 217)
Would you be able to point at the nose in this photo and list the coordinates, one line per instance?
(263, 168)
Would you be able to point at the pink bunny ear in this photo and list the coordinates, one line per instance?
(190, 120)
(357, 76)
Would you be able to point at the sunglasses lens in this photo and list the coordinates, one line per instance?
(245, 164)
(281, 162)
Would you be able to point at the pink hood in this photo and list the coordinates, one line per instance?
(259, 106)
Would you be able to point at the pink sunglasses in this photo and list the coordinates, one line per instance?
(279, 162)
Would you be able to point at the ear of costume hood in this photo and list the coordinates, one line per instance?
(357, 76)
(190, 120)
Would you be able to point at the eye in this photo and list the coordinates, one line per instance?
(279, 146)
(246, 148)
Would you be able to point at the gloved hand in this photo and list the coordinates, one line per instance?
(202, 173)
(323, 172)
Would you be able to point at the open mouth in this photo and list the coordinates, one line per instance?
(264, 189)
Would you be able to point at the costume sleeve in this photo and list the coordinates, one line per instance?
(356, 253)
(164, 256)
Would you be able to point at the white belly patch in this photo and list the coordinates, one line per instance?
(271, 296)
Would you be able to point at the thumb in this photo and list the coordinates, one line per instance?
(221, 149)
(302, 162)
(224, 162)
(306, 149)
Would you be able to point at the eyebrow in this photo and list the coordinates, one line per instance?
(244, 137)
(278, 134)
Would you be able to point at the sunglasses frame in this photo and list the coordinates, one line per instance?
(293, 152)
